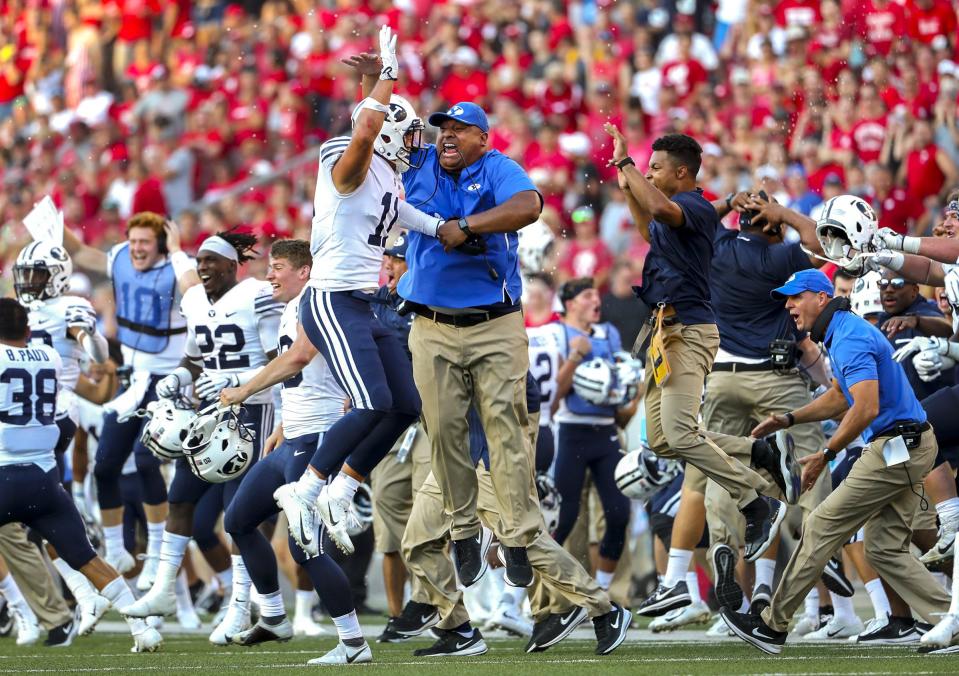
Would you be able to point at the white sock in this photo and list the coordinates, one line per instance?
(692, 581)
(948, 510)
(343, 487)
(184, 602)
(604, 579)
(677, 567)
(765, 571)
(812, 603)
(226, 580)
(120, 596)
(880, 602)
(744, 606)
(155, 537)
(241, 581)
(309, 486)
(10, 591)
(271, 605)
(77, 582)
(843, 608)
(113, 539)
(348, 626)
(171, 556)
(304, 603)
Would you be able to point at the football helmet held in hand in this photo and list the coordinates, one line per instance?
(640, 474)
(218, 446)
(167, 429)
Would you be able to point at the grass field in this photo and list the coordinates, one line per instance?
(687, 652)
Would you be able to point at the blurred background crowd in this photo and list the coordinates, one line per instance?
(211, 111)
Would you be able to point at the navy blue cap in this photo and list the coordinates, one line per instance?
(805, 280)
(465, 112)
(398, 250)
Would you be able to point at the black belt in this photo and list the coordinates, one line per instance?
(149, 330)
(667, 321)
(737, 367)
(904, 427)
(465, 320)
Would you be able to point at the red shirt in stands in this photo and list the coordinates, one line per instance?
(135, 18)
(684, 76)
(149, 196)
(881, 22)
(867, 138)
(9, 90)
(897, 211)
(585, 261)
(472, 87)
(818, 177)
(925, 24)
(803, 13)
(923, 175)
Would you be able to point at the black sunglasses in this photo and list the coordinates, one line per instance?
(896, 283)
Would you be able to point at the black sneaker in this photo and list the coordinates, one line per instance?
(518, 571)
(763, 516)
(665, 599)
(611, 629)
(6, 620)
(414, 620)
(280, 630)
(555, 628)
(897, 631)
(752, 629)
(469, 555)
(834, 577)
(727, 590)
(390, 635)
(454, 644)
(762, 596)
(776, 455)
(62, 636)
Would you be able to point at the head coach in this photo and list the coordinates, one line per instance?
(468, 340)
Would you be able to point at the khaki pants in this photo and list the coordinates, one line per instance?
(885, 500)
(672, 414)
(394, 484)
(735, 403)
(485, 365)
(32, 576)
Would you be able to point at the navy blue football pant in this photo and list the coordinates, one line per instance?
(545, 449)
(254, 504)
(133, 514)
(596, 448)
(117, 441)
(370, 364)
(942, 412)
(38, 500)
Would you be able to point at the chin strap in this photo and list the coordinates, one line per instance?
(818, 331)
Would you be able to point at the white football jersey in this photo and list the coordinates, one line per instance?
(350, 231)
(544, 358)
(233, 334)
(49, 325)
(312, 399)
(28, 405)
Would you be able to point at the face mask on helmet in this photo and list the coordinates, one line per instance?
(401, 137)
(847, 227)
(30, 283)
(42, 270)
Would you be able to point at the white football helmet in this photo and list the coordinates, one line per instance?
(595, 381)
(641, 473)
(535, 241)
(549, 501)
(401, 136)
(847, 229)
(167, 429)
(218, 446)
(42, 271)
(866, 298)
(629, 374)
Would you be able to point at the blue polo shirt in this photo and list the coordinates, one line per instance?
(858, 352)
(455, 279)
(676, 270)
(920, 308)
(745, 268)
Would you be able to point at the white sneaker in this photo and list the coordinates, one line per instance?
(237, 619)
(188, 619)
(806, 624)
(336, 516)
(121, 561)
(343, 654)
(303, 625)
(872, 624)
(224, 607)
(300, 517)
(695, 613)
(154, 621)
(836, 628)
(90, 612)
(147, 641)
(945, 545)
(157, 601)
(942, 634)
(148, 574)
(28, 631)
(719, 629)
(510, 619)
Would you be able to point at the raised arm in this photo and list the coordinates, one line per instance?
(641, 216)
(84, 256)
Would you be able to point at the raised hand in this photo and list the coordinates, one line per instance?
(620, 150)
(366, 63)
(391, 67)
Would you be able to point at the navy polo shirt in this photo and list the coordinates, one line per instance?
(858, 351)
(454, 279)
(920, 308)
(676, 270)
(745, 268)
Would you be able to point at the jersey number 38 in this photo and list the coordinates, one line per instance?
(43, 385)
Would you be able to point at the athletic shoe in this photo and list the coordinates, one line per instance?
(696, 613)
(304, 625)
(337, 515)
(806, 624)
(147, 641)
(510, 619)
(942, 634)
(62, 636)
(300, 518)
(236, 620)
(154, 621)
(469, 555)
(188, 619)
(555, 628)
(834, 577)
(122, 561)
(762, 597)
(6, 620)
(159, 601)
(776, 454)
(897, 631)
(344, 654)
(611, 629)
(28, 631)
(754, 631)
(148, 573)
(872, 624)
(261, 632)
(951, 650)
(454, 644)
(390, 635)
(224, 607)
(728, 592)
(90, 612)
(665, 599)
(763, 517)
(719, 629)
(945, 545)
(837, 628)
(518, 571)
(415, 619)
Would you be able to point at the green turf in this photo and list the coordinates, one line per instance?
(108, 653)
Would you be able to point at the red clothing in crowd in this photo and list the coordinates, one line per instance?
(585, 261)
(896, 210)
(9, 89)
(684, 76)
(925, 24)
(135, 18)
(149, 196)
(817, 178)
(867, 138)
(472, 87)
(881, 23)
(923, 175)
(803, 13)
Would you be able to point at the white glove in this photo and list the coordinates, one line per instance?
(940, 346)
(886, 258)
(889, 239)
(930, 364)
(391, 67)
(951, 284)
(169, 386)
(209, 387)
(82, 318)
(80, 500)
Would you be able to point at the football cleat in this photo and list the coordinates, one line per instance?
(695, 613)
(188, 619)
(147, 641)
(941, 635)
(28, 631)
(261, 632)
(300, 518)
(236, 620)
(122, 561)
(304, 625)
(159, 601)
(509, 619)
(89, 613)
(665, 599)
(344, 654)
(337, 516)
(148, 573)
(837, 628)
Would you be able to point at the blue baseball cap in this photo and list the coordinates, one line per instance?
(465, 112)
(398, 250)
(804, 280)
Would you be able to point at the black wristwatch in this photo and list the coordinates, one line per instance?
(625, 162)
(464, 227)
(829, 454)
(729, 200)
